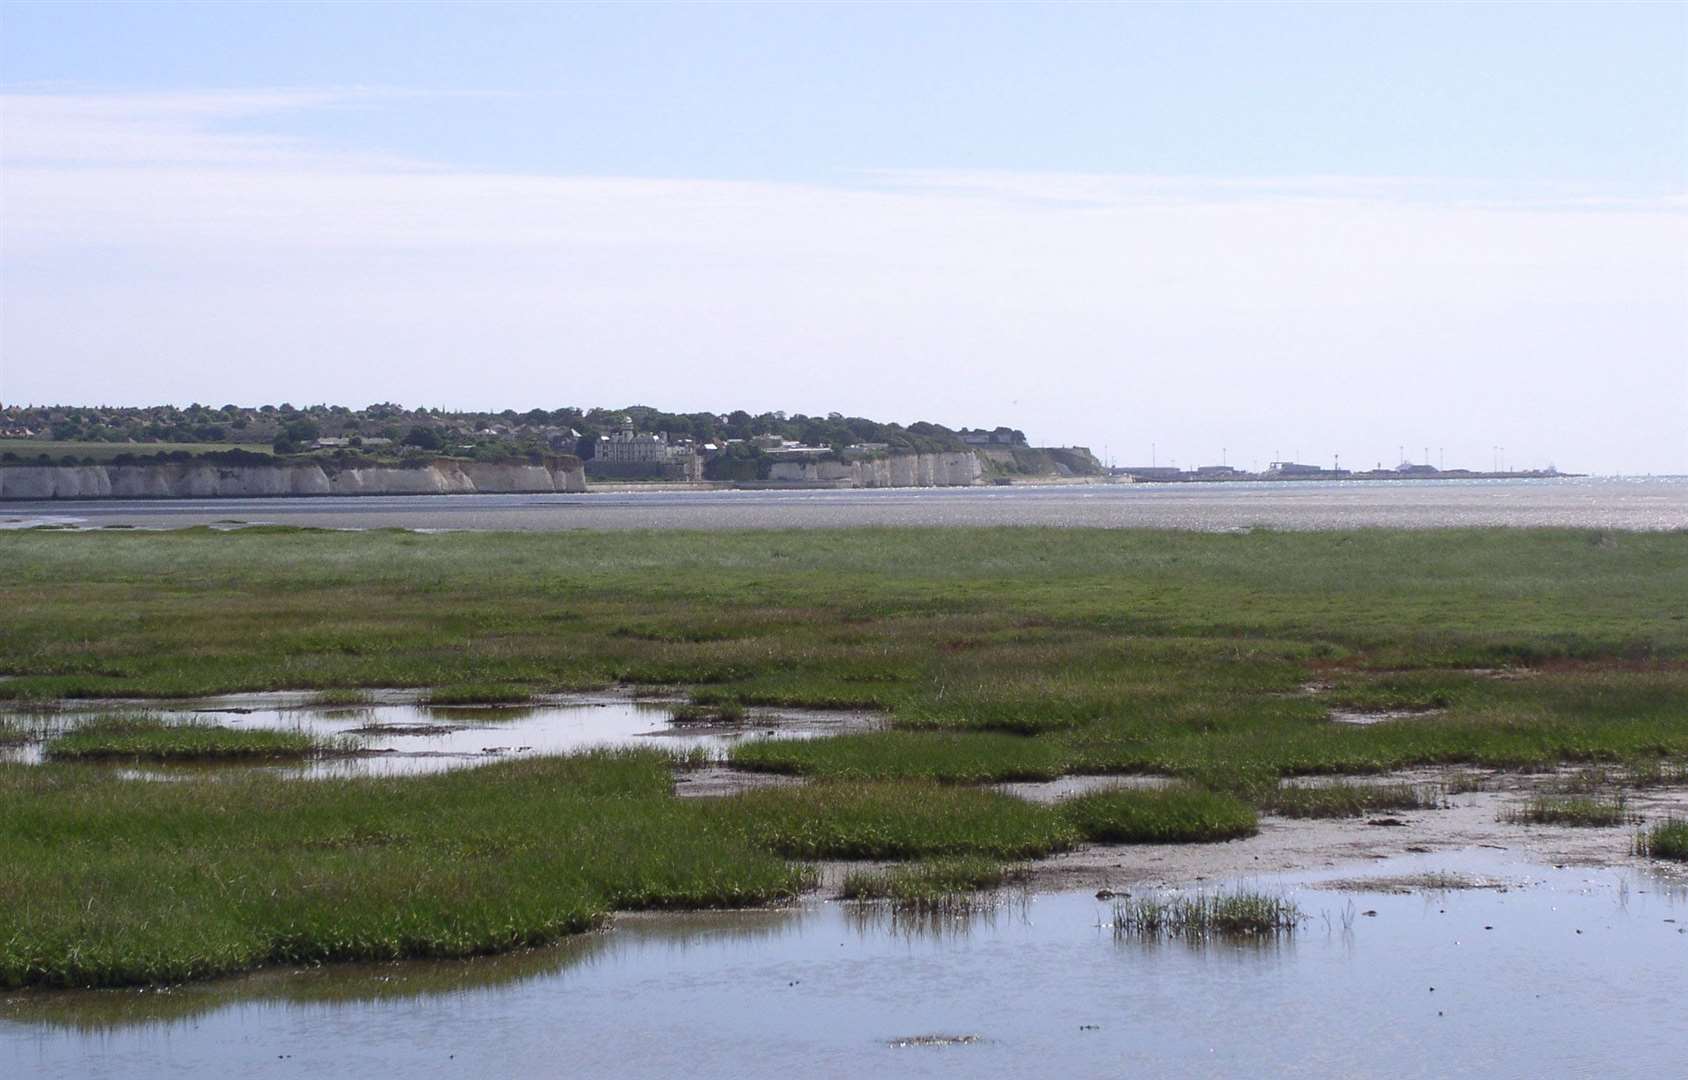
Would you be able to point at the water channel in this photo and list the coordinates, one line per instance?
(1526, 971)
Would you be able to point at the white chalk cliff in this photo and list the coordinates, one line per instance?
(957, 468)
(200, 480)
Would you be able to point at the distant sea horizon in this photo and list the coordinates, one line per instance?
(1652, 503)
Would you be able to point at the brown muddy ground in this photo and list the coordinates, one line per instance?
(1285, 845)
(1471, 819)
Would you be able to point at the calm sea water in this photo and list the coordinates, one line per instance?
(1575, 973)
(1606, 503)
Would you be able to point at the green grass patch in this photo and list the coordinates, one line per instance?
(1571, 810)
(999, 654)
(928, 885)
(1340, 800)
(27, 450)
(479, 694)
(970, 758)
(341, 698)
(1666, 840)
(1242, 913)
(726, 712)
(146, 739)
(1168, 816)
(894, 821)
(111, 881)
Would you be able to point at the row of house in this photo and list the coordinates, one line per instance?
(628, 453)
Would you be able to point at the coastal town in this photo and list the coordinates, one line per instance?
(74, 452)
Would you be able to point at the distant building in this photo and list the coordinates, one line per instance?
(627, 449)
(1285, 470)
(626, 446)
(992, 438)
(1150, 473)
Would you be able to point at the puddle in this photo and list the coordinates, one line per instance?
(718, 781)
(1567, 972)
(1378, 716)
(1435, 881)
(396, 738)
(1049, 792)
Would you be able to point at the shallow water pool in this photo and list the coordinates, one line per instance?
(397, 738)
(1545, 972)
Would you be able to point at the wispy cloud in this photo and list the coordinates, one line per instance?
(175, 226)
(163, 130)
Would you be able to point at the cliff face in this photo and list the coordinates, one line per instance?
(197, 480)
(954, 469)
(1043, 461)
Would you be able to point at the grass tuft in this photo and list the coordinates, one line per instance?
(943, 757)
(893, 821)
(1666, 840)
(1350, 800)
(1165, 816)
(937, 885)
(341, 698)
(1204, 915)
(1571, 810)
(148, 739)
(727, 712)
(479, 694)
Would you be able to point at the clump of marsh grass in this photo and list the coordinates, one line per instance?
(1242, 913)
(1666, 840)
(726, 712)
(343, 698)
(1350, 800)
(145, 738)
(890, 822)
(940, 885)
(1464, 783)
(479, 694)
(1590, 812)
(691, 757)
(1654, 772)
(1164, 816)
(944, 757)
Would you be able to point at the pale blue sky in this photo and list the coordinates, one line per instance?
(1247, 228)
(1511, 91)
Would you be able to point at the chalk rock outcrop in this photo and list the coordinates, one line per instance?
(951, 469)
(203, 480)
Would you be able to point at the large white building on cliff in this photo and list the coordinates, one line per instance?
(628, 446)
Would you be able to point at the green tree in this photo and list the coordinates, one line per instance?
(423, 438)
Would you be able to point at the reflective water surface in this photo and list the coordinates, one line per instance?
(404, 737)
(1580, 502)
(1555, 972)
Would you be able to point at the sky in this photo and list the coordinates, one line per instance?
(1197, 232)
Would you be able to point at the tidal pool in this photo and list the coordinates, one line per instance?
(392, 738)
(1544, 972)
